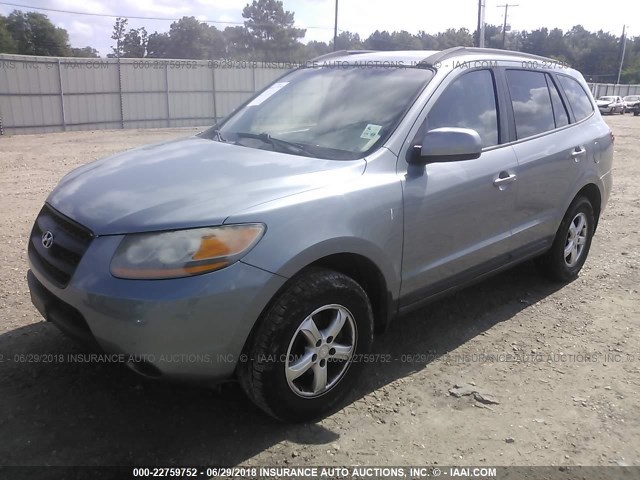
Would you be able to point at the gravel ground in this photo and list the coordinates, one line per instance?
(570, 398)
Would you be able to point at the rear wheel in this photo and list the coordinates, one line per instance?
(302, 357)
(571, 245)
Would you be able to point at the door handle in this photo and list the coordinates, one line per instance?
(578, 152)
(501, 181)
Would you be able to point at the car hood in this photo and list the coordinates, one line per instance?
(185, 183)
(604, 103)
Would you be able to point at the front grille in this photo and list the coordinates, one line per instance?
(70, 241)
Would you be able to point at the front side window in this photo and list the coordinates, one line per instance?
(578, 98)
(340, 112)
(531, 102)
(469, 102)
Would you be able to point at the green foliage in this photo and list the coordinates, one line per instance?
(344, 41)
(134, 43)
(118, 36)
(87, 52)
(33, 34)
(7, 45)
(237, 42)
(271, 31)
(158, 45)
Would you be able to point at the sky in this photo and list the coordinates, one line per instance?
(358, 16)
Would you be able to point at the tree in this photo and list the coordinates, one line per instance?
(454, 38)
(134, 43)
(427, 41)
(158, 45)
(190, 38)
(403, 40)
(314, 49)
(271, 29)
(237, 42)
(379, 41)
(87, 52)
(118, 37)
(348, 41)
(7, 45)
(34, 34)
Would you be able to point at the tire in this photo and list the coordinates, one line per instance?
(316, 296)
(555, 264)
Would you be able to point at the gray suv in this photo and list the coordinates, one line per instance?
(272, 246)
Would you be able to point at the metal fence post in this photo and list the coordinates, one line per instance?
(253, 78)
(166, 91)
(64, 117)
(120, 91)
(213, 85)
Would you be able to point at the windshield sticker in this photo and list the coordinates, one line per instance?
(370, 143)
(267, 93)
(370, 131)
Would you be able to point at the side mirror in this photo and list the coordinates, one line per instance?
(447, 145)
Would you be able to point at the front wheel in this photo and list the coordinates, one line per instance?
(303, 358)
(571, 245)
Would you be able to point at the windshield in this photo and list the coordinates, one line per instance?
(333, 113)
(607, 99)
(632, 98)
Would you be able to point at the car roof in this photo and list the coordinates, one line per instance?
(426, 57)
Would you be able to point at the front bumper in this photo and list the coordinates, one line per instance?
(189, 328)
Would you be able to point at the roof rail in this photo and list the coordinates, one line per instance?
(457, 51)
(340, 53)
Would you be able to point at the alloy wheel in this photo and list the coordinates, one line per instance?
(321, 351)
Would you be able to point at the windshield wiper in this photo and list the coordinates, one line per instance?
(277, 142)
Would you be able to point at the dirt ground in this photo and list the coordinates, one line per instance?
(562, 361)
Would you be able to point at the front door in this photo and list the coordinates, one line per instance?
(458, 215)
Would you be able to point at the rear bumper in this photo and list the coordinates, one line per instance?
(188, 328)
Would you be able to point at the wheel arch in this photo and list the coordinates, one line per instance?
(593, 194)
(369, 276)
(361, 269)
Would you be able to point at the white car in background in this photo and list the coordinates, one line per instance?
(610, 104)
(631, 102)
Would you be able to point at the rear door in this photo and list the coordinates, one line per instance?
(550, 152)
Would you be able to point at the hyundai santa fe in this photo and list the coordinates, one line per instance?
(356, 188)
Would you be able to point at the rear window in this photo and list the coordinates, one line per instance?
(578, 98)
(559, 110)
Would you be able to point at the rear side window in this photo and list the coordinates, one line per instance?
(578, 98)
(531, 102)
(469, 102)
(559, 110)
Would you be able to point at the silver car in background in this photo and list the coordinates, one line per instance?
(631, 103)
(271, 247)
(611, 104)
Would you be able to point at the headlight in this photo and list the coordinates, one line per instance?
(183, 253)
